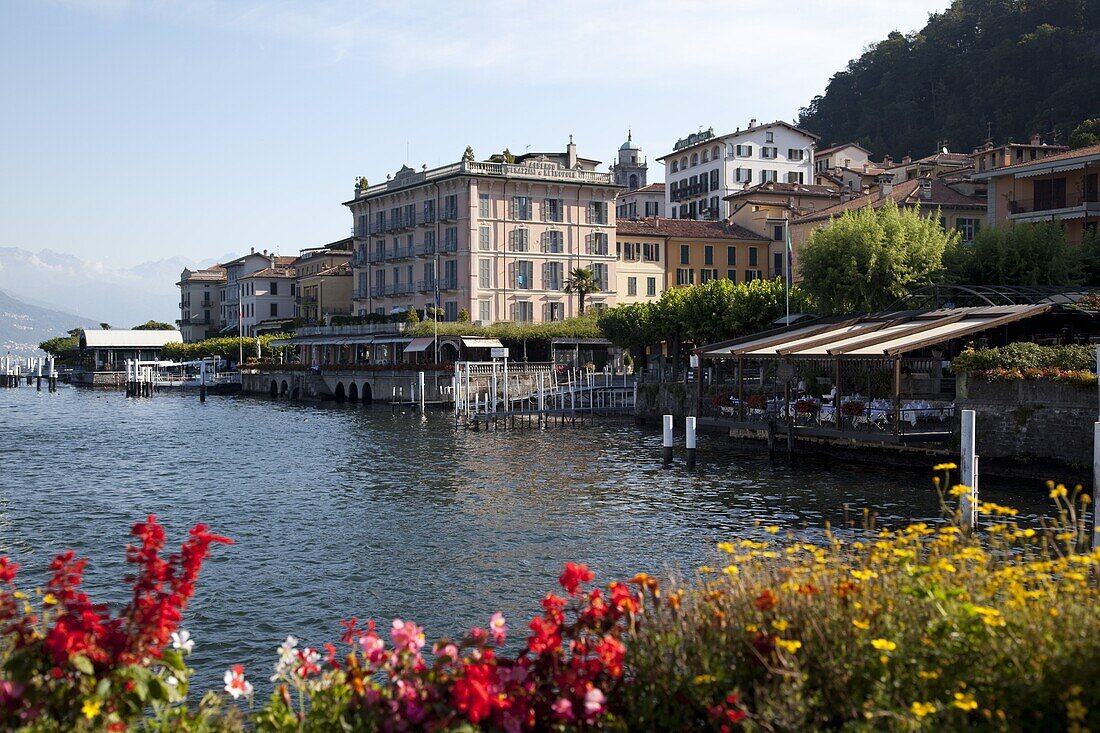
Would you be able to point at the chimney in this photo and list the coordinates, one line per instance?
(885, 186)
(906, 160)
(926, 189)
(570, 154)
(252, 250)
(1036, 139)
(752, 123)
(887, 161)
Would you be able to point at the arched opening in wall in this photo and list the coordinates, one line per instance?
(368, 397)
(339, 393)
(448, 352)
(633, 180)
(296, 393)
(284, 388)
(353, 392)
(274, 389)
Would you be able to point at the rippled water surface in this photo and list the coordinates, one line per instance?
(341, 511)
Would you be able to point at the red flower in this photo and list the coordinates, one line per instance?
(766, 601)
(472, 694)
(547, 636)
(573, 575)
(7, 570)
(622, 598)
(611, 652)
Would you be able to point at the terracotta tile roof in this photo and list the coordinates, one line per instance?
(344, 268)
(1067, 155)
(940, 157)
(904, 194)
(651, 188)
(269, 272)
(833, 148)
(786, 189)
(683, 228)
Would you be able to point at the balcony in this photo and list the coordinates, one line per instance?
(448, 283)
(425, 286)
(425, 250)
(427, 219)
(448, 214)
(449, 245)
(360, 293)
(1055, 207)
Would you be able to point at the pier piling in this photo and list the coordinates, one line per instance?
(968, 462)
(689, 440)
(667, 440)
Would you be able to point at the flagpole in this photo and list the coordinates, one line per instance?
(787, 280)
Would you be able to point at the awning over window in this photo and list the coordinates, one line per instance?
(1053, 169)
(419, 344)
(481, 343)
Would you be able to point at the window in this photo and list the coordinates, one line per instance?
(599, 274)
(1050, 194)
(553, 277)
(731, 256)
(707, 274)
(379, 281)
(706, 156)
(273, 288)
(429, 211)
(524, 270)
(410, 215)
(450, 273)
(743, 175)
(967, 227)
(553, 210)
(769, 176)
(525, 311)
(652, 208)
(714, 180)
(484, 273)
(795, 154)
(795, 177)
(651, 252)
(521, 208)
(483, 205)
(744, 151)
(450, 310)
(777, 263)
(685, 276)
(769, 153)
(769, 137)
(450, 206)
(753, 275)
(675, 166)
(555, 311)
(521, 240)
(450, 239)
(597, 212)
(731, 275)
(429, 275)
(714, 207)
(683, 162)
(597, 243)
(708, 254)
(694, 159)
(554, 241)
(685, 254)
(483, 239)
(651, 286)
(632, 286)
(753, 257)
(484, 310)
(429, 242)
(778, 234)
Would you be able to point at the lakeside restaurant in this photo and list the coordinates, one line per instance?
(881, 376)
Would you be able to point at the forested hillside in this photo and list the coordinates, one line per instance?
(1005, 68)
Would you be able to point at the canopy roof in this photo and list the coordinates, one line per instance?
(113, 338)
(883, 335)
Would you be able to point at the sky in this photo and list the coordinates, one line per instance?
(137, 130)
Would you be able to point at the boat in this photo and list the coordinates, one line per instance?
(212, 371)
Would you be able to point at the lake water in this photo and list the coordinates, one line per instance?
(350, 511)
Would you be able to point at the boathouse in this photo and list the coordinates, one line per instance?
(106, 350)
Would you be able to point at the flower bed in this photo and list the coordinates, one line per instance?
(1078, 378)
(918, 627)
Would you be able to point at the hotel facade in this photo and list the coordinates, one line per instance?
(491, 241)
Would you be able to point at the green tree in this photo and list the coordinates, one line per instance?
(152, 325)
(866, 259)
(1025, 254)
(1086, 134)
(582, 282)
(412, 316)
(632, 327)
(463, 315)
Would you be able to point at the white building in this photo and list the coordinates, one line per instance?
(232, 287)
(646, 201)
(268, 297)
(703, 168)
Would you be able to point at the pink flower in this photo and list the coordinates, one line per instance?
(407, 635)
(235, 683)
(447, 650)
(594, 701)
(563, 708)
(497, 628)
(374, 649)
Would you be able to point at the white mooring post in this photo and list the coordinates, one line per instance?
(969, 471)
(542, 392)
(420, 388)
(667, 442)
(689, 440)
(1096, 462)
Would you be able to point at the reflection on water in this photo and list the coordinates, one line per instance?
(341, 511)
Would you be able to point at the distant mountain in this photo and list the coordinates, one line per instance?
(23, 326)
(121, 297)
(999, 68)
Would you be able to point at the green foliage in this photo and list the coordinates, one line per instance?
(868, 258)
(227, 347)
(583, 282)
(581, 327)
(1027, 356)
(361, 182)
(468, 154)
(61, 346)
(1025, 254)
(412, 316)
(1086, 134)
(1024, 67)
(630, 326)
(463, 315)
(152, 325)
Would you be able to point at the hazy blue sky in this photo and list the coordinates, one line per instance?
(133, 131)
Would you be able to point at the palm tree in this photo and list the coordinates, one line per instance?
(582, 281)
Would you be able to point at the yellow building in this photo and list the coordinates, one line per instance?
(324, 293)
(1064, 187)
(641, 249)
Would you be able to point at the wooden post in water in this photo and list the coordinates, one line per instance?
(1096, 462)
(667, 440)
(689, 440)
(968, 468)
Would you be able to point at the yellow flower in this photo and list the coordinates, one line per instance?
(884, 659)
(706, 569)
(860, 624)
(20, 594)
(726, 547)
(864, 574)
(959, 490)
(944, 467)
(790, 645)
(90, 709)
(883, 645)
(49, 599)
(704, 679)
(1075, 710)
(730, 570)
(752, 628)
(964, 702)
(771, 528)
(779, 624)
(1058, 491)
(928, 675)
(920, 709)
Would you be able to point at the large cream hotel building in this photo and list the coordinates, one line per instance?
(494, 239)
